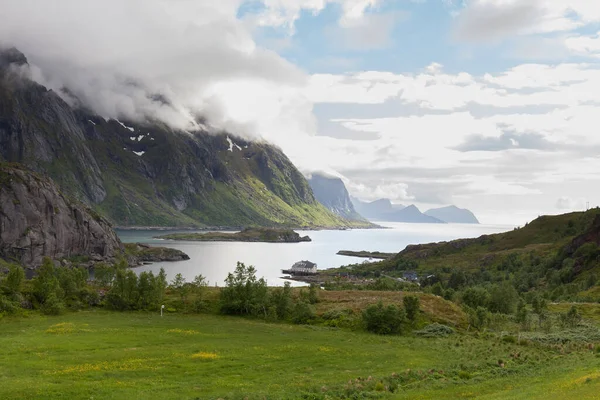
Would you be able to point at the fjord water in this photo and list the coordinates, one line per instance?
(215, 259)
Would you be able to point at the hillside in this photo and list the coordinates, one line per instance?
(559, 255)
(332, 193)
(146, 174)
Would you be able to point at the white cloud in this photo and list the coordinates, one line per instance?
(498, 19)
(568, 203)
(584, 45)
(285, 13)
(116, 56)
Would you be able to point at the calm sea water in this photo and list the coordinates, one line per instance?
(215, 259)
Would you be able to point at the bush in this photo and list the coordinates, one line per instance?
(435, 330)
(475, 297)
(52, 305)
(303, 313)
(411, 307)
(383, 320)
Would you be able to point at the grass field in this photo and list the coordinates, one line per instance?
(109, 355)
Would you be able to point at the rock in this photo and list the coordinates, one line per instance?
(37, 220)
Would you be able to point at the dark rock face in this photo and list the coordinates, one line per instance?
(36, 220)
(332, 193)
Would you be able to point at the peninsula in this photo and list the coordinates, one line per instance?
(268, 235)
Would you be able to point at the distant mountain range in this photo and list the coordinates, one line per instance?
(453, 214)
(384, 210)
(332, 193)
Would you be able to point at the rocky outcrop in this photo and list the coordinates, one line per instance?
(37, 220)
(139, 253)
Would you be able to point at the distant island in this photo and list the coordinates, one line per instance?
(366, 254)
(268, 235)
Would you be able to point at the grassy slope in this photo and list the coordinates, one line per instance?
(137, 355)
(545, 236)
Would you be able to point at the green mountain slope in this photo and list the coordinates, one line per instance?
(146, 174)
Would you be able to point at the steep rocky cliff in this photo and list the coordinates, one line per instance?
(37, 220)
(146, 174)
(332, 193)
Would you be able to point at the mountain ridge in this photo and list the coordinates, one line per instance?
(147, 174)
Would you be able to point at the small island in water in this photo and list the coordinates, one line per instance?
(268, 235)
(366, 254)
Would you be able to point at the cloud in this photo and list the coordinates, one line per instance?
(285, 13)
(370, 32)
(506, 141)
(489, 20)
(118, 57)
(568, 203)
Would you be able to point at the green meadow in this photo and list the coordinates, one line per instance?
(109, 355)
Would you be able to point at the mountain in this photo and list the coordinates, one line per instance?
(453, 214)
(37, 220)
(145, 173)
(332, 193)
(413, 215)
(384, 210)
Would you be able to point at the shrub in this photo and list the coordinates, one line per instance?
(435, 330)
(411, 307)
(383, 320)
(475, 297)
(570, 319)
(303, 313)
(52, 305)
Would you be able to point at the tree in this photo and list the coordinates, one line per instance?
(383, 320)
(313, 294)
(199, 289)
(457, 280)
(147, 291)
(539, 304)
(13, 282)
(243, 293)
(411, 307)
(46, 283)
(104, 274)
(161, 284)
(281, 300)
(475, 297)
(180, 286)
(123, 294)
(522, 312)
(503, 298)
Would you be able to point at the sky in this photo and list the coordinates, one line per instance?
(491, 105)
